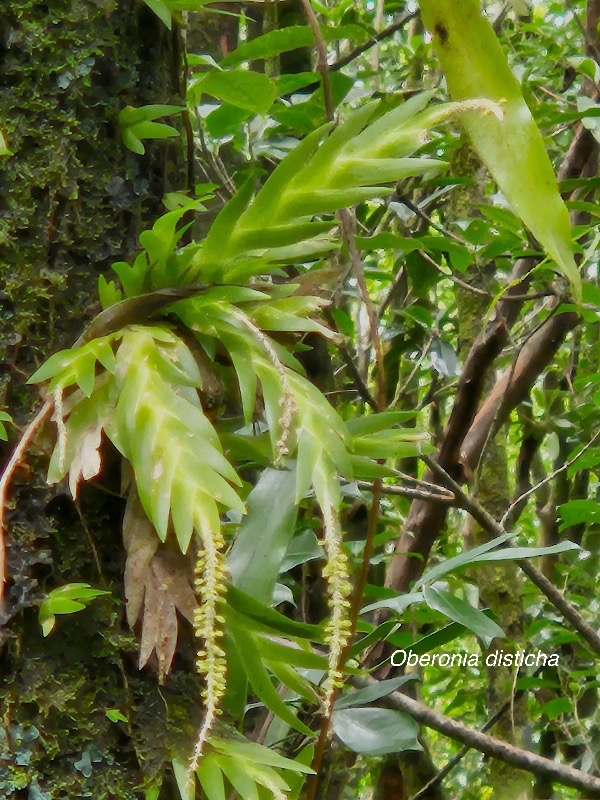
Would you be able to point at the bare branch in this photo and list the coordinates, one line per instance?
(488, 745)
(546, 480)
(379, 37)
(488, 523)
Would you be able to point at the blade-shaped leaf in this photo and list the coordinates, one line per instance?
(376, 731)
(249, 90)
(211, 778)
(260, 680)
(461, 560)
(511, 146)
(263, 538)
(465, 614)
(259, 755)
(370, 694)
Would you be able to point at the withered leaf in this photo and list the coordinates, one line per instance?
(157, 586)
(87, 462)
(141, 542)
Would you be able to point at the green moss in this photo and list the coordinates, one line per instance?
(72, 201)
(72, 198)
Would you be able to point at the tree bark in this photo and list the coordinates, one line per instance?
(72, 201)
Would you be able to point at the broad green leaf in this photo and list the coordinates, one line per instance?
(4, 417)
(377, 633)
(136, 124)
(282, 594)
(576, 512)
(367, 469)
(271, 44)
(392, 444)
(296, 781)
(132, 142)
(373, 423)
(131, 115)
(433, 641)
(114, 715)
(283, 40)
(66, 599)
(226, 120)
(264, 535)
(557, 707)
(465, 614)
(260, 680)
(249, 90)
(235, 771)
(186, 787)
(292, 680)
(290, 83)
(304, 547)
(516, 553)
(511, 146)
(461, 560)
(259, 755)
(273, 650)
(376, 731)
(162, 11)
(263, 614)
(267, 777)
(370, 694)
(4, 150)
(153, 130)
(211, 778)
(154, 791)
(482, 554)
(397, 604)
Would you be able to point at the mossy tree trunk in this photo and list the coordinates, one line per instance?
(72, 201)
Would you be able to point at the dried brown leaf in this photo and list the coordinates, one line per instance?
(87, 461)
(141, 542)
(157, 585)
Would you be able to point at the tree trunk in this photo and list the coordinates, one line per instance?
(74, 200)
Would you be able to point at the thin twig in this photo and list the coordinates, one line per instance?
(403, 387)
(379, 37)
(454, 278)
(322, 65)
(416, 494)
(488, 745)
(361, 386)
(547, 479)
(426, 218)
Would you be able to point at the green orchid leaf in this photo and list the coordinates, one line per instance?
(506, 139)
(251, 91)
(375, 731)
(258, 676)
(465, 614)
(263, 538)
